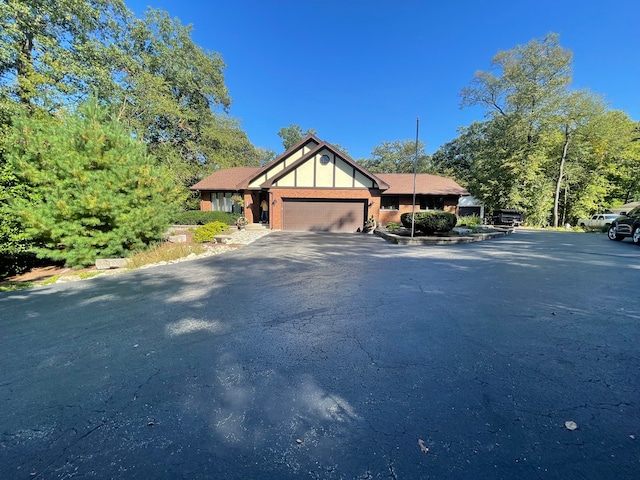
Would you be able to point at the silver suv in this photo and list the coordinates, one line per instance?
(626, 225)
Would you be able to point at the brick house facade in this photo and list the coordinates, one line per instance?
(313, 186)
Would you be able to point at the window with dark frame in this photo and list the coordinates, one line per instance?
(390, 202)
(428, 202)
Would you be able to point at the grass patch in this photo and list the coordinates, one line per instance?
(15, 286)
(50, 280)
(163, 252)
(85, 275)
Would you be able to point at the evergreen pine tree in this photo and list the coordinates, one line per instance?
(92, 189)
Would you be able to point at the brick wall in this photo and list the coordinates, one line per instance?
(386, 216)
(205, 201)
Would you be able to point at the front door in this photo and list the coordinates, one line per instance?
(264, 207)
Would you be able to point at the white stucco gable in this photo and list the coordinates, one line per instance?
(313, 163)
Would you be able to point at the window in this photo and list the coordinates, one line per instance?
(221, 201)
(428, 202)
(390, 202)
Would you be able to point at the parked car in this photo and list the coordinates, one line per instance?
(600, 220)
(507, 216)
(626, 225)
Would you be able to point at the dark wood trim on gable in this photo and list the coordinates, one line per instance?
(333, 181)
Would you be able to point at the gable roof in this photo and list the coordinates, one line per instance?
(244, 183)
(426, 184)
(225, 179)
(315, 145)
(325, 146)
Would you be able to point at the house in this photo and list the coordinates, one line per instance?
(315, 187)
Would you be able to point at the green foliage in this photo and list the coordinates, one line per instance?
(92, 190)
(430, 221)
(397, 157)
(205, 233)
(15, 286)
(148, 71)
(469, 221)
(52, 51)
(554, 153)
(198, 217)
(174, 97)
(393, 226)
(293, 134)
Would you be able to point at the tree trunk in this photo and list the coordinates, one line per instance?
(560, 175)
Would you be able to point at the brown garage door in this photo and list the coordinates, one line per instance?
(323, 215)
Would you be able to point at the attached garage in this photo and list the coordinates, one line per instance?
(323, 215)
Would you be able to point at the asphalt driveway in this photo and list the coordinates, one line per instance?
(333, 356)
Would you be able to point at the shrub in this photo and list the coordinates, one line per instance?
(469, 221)
(431, 221)
(198, 217)
(205, 233)
(393, 226)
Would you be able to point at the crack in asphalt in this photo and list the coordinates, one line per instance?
(103, 422)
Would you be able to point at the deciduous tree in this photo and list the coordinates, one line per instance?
(398, 156)
(293, 134)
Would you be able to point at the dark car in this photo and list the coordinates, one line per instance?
(626, 225)
(507, 216)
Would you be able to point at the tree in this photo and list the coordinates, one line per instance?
(530, 78)
(621, 144)
(293, 134)
(574, 112)
(536, 138)
(455, 159)
(155, 79)
(398, 156)
(91, 190)
(174, 97)
(53, 52)
(265, 155)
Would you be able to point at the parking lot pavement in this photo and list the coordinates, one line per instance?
(333, 356)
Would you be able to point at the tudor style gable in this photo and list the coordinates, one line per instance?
(313, 163)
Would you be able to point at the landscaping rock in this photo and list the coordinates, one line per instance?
(108, 263)
(177, 238)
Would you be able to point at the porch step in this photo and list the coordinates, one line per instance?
(257, 226)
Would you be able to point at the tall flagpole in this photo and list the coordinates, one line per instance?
(415, 173)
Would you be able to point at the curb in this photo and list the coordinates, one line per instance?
(477, 237)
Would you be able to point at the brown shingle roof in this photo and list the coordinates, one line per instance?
(225, 179)
(426, 184)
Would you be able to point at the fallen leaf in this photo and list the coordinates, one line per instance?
(571, 425)
(423, 447)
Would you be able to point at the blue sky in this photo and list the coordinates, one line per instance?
(361, 71)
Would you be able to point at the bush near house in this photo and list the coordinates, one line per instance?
(431, 221)
(205, 233)
(469, 221)
(198, 217)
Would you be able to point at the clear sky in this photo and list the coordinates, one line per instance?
(361, 71)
